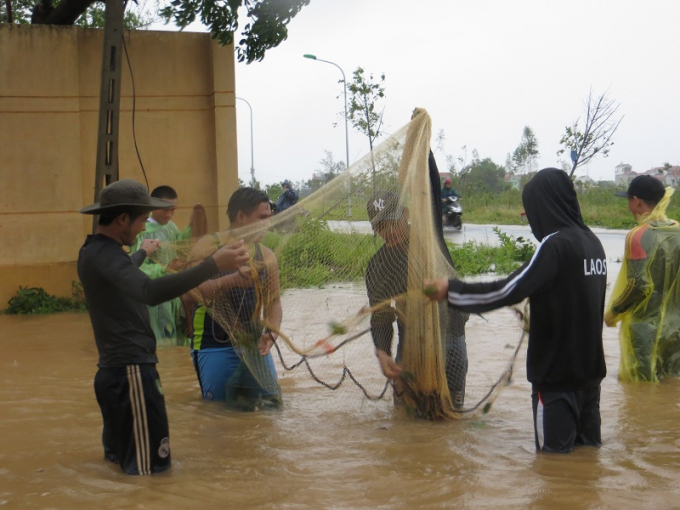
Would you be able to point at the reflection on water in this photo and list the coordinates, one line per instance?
(317, 452)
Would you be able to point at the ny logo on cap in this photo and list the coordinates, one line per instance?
(379, 204)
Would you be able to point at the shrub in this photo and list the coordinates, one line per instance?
(473, 259)
(35, 300)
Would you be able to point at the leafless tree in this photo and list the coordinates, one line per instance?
(596, 136)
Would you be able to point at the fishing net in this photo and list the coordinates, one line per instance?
(340, 275)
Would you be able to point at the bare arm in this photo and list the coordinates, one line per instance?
(241, 278)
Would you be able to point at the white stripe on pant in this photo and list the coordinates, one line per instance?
(139, 423)
(539, 423)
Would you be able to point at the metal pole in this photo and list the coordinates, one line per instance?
(252, 157)
(344, 86)
(106, 170)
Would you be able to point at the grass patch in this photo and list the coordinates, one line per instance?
(315, 256)
(599, 208)
(493, 208)
(35, 300)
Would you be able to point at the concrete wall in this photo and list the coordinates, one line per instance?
(185, 124)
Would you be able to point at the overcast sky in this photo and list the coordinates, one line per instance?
(482, 69)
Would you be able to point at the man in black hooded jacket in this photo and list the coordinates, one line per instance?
(565, 282)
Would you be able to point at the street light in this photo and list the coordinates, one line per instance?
(252, 158)
(344, 86)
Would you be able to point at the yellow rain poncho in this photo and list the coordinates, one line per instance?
(646, 298)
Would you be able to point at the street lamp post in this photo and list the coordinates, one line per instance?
(344, 86)
(252, 157)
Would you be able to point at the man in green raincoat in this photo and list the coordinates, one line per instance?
(646, 296)
(166, 318)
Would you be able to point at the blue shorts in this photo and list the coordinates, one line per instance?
(215, 367)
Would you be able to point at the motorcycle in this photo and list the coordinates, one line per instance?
(452, 212)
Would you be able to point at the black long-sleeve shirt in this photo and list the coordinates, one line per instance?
(386, 278)
(117, 292)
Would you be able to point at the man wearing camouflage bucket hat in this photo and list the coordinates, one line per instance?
(127, 385)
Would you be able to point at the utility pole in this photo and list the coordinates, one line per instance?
(349, 176)
(109, 100)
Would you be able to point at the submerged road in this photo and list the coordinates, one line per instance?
(612, 240)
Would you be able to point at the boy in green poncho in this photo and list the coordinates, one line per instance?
(166, 318)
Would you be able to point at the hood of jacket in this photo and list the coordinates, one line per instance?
(550, 203)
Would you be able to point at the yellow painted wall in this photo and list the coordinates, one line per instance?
(185, 124)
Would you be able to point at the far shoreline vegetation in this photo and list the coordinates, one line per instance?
(599, 207)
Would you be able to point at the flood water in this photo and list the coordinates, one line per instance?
(325, 449)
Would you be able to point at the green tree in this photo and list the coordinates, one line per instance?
(525, 155)
(362, 111)
(484, 176)
(266, 26)
(134, 18)
(273, 191)
(330, 169)
(16, 11)
(266, 20)
(596, 135)
(21, 12)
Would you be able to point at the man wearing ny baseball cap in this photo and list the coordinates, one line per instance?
(646, 296)
(386, 278)
(127, 385)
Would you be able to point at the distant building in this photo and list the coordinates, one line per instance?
(668, 175)
(623, 174)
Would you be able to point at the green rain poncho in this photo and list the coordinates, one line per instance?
(646, 298)
(166, 318)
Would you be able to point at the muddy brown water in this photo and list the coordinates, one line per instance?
(325, 449)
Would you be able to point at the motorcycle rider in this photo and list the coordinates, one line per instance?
(288, 198)
(448, 191)
(451, 209)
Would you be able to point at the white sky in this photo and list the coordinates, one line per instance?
(482, 69)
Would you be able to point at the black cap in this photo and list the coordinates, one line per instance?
(384, 205)
(644, 187)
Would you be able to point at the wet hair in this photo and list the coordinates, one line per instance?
(164, 192)
(245, 199)
(107, 219)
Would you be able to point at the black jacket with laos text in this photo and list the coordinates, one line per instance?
(565, 282)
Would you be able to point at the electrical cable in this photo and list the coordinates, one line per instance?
(134, 107)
